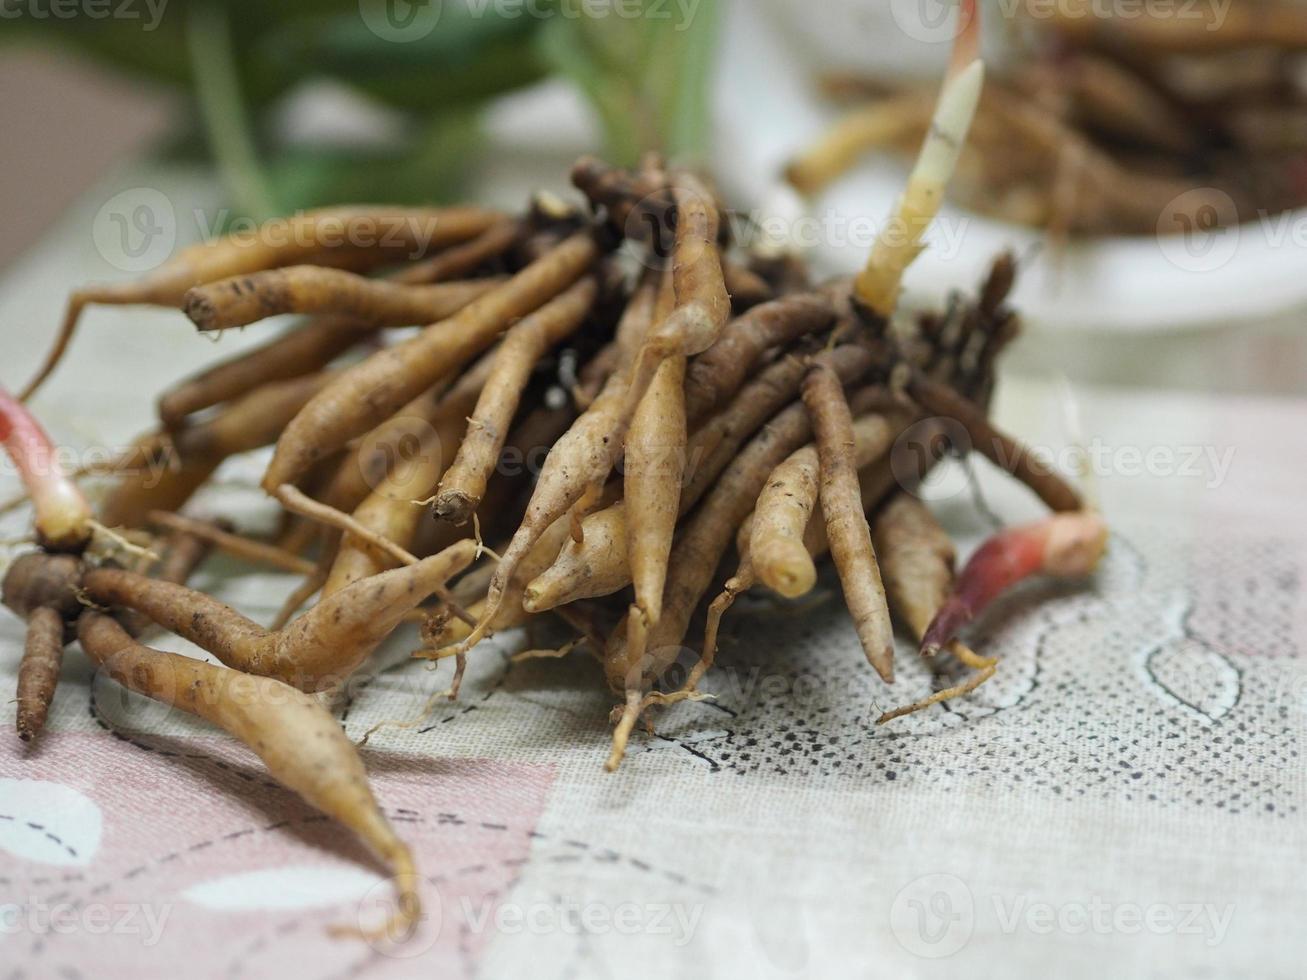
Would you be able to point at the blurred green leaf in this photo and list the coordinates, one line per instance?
(215, 68)
(647, 76)
(432, 169)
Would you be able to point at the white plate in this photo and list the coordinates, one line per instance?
(768, 109)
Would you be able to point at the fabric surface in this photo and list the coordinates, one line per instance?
(1125, 798)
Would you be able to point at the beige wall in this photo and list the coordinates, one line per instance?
(62, 124)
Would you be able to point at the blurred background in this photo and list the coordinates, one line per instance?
(1147, 161)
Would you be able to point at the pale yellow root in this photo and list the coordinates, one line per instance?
(242, 300)
(917, 559)
(298, 740)
(294, 500)
(464, 483)
(323, 237)
(234, 544)
(787, 503)
(546, 654)
(847, 530)
(303, 592)
(314, 652)
(899, 242)
(881, 124)
(702, 304)
(600, 566)
(781, 515)
(107, 541)
(695, 558)
(655, 459)
(742, 581)
(436, 418)
(365, 395)
(509, 612)
(579, 461)
(985, 668)
(627, 714)
(410, 723)
(622, 733)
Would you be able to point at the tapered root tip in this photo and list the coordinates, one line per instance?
(199, 309)
(883, 662)
(792, 581)
(797, 175)
(398, 929)
(585, 171)
(32, 713)
(285, 467)
(531, 599)
(454, 506)
(171, 415)
(622, 734)
(72, 313)
(907, 709)
(618, 753)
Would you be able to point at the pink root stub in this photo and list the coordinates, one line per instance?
(1064, 546)
(62, 515)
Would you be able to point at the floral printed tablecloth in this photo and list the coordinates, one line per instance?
(1125, 798)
